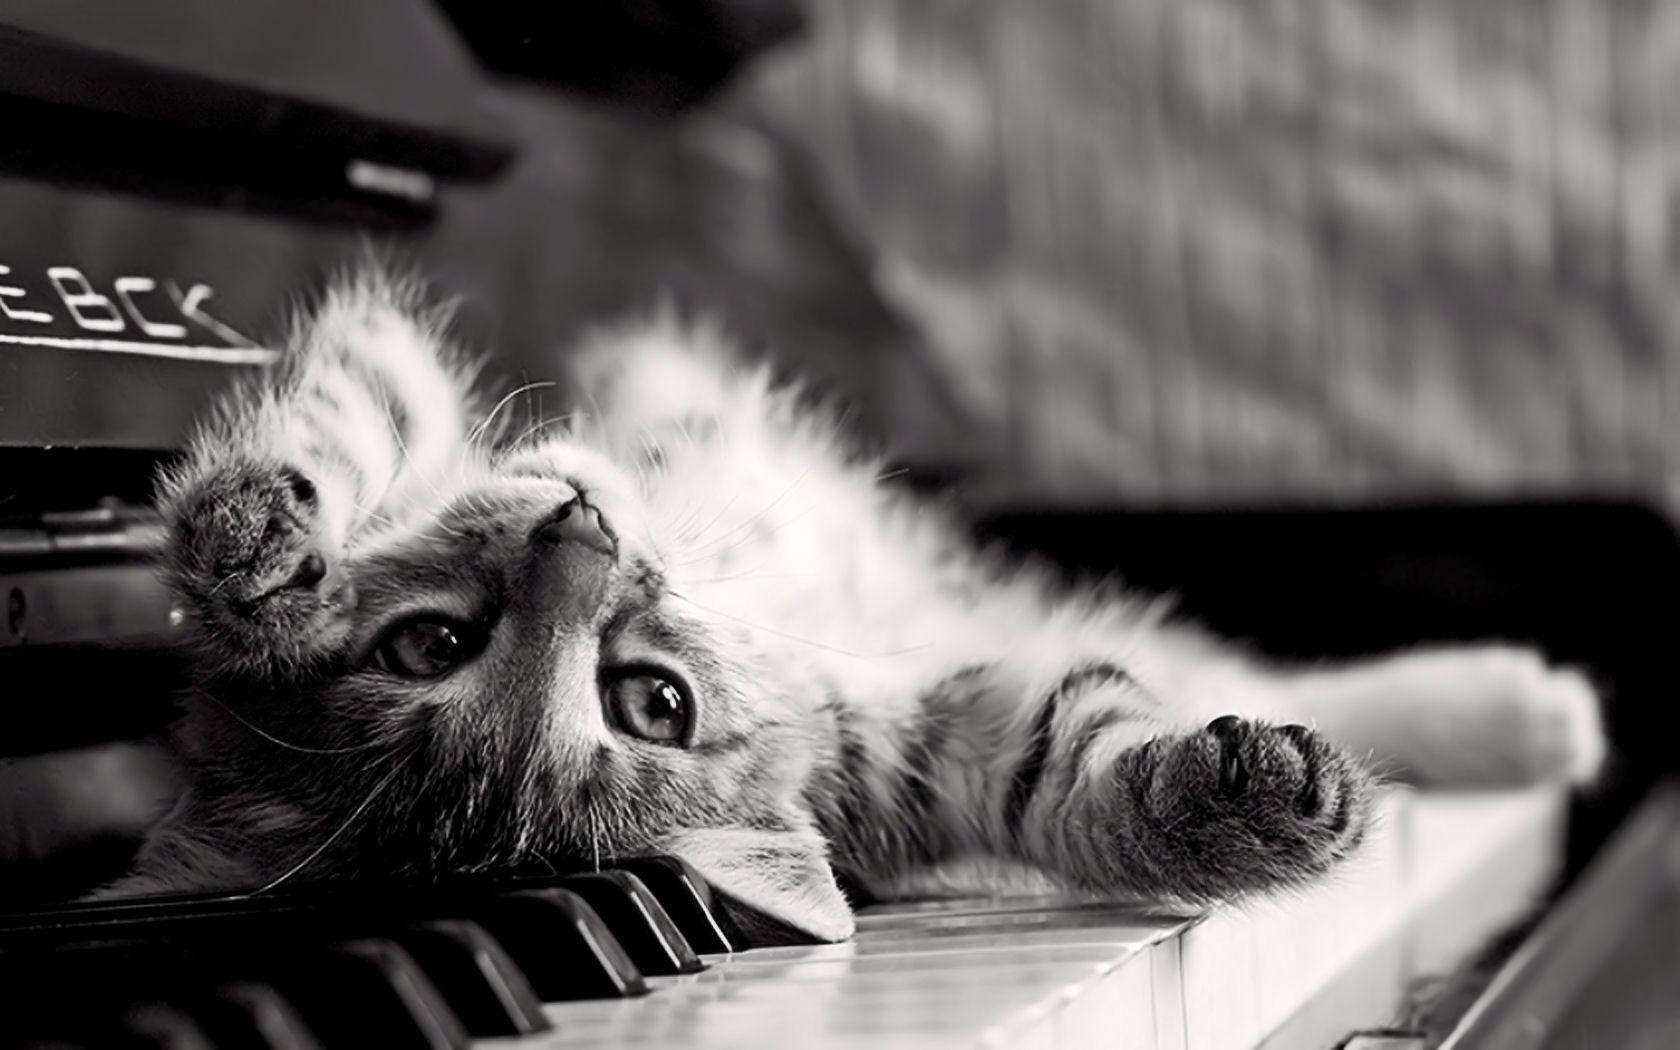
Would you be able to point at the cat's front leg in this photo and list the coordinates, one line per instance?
(1087, 776)
(1236, 807)
(361, 421)
(253, 561)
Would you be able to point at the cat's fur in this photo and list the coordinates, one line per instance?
(873, 695)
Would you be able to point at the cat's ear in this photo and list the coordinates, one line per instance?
(782, 872)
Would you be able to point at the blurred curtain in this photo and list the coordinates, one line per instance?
(1205, 249)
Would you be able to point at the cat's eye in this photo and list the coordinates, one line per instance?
(426, 647)
(650, 706)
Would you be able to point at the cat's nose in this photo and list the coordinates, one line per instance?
(577, 522)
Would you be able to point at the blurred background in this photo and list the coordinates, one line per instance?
(1178, 250)
(1192, 249)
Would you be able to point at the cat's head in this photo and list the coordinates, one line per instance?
(475, 660)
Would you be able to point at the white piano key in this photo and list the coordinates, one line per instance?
(833, 1010)
(1166, 979)
(1479, 863)
(875, 913)
(1310, 936)
(1035, 1032)
(1114, 1010)
(1364, 995)
(1107, 917)
(897, 915)
(1122, 937)
(908, 965)
(1217, 963)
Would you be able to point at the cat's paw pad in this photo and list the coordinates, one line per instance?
(247, 542)
(1258, 803)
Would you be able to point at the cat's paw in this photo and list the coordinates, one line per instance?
(1253, 805)
(248, 554)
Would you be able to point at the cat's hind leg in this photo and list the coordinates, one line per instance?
(656, 370)
(1481, 716)
(661, 382)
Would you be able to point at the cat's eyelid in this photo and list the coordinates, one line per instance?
(480, 619)
(631, 662)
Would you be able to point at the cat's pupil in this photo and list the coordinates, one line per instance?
(423, 649)
(651, 707)
(664, 704)
(435, 640)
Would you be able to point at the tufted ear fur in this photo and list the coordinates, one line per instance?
(782, 872)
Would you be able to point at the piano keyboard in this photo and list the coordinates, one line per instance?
(643, 955)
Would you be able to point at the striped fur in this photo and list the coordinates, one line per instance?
(873, 695)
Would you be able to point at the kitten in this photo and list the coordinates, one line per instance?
(694, 621)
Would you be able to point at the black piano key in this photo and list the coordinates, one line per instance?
(482, 984)
(637, 919)
(687, 900)
(250, 1015)
(119, 994)
(559, 943)
(159, 1026)
(366, 993)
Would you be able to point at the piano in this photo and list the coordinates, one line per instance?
(642, 953)
(146, 233)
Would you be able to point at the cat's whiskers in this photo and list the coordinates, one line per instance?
(701, 550)
(594, 834)
(413, 468)
(744, 540)
(483, 426)
(679, 524)
(361, 808)
(276, 741)
(700, 533)
(373, 515)
(540, 425)
(752, 574)
(794, 637)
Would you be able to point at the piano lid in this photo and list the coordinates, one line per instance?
(157, 158)
(207, 103)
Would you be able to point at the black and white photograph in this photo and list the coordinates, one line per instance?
(890, 524)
